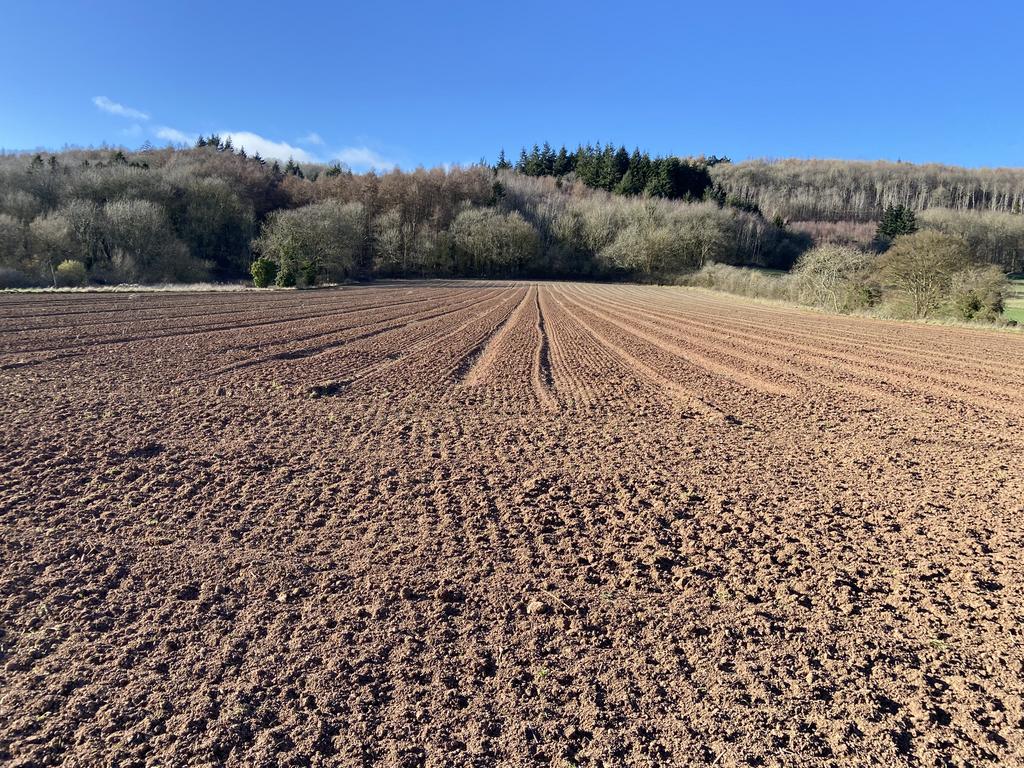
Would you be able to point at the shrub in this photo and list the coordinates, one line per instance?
(834, 277)
(650, 250)
(978, 293)
(286, 277)
(919, 268)
(263, 271)
(318, 241)
(71, 274)
(743, 281)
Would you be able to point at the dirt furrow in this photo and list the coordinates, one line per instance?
(432, 340)
(889, 377)
(87, 342)
(679, 393)
(542, 380)
(819, 328)
(375, 327)
(488, 352)
(695, 358)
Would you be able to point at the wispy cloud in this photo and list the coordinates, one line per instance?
(363, 157)
(275, 150)
(314, 149)
(174, 135)
(102, 102)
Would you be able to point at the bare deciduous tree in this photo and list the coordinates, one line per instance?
(920, 268)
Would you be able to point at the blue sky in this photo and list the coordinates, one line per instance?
(409, 83)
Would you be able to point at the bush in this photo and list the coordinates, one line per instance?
(743, 281)
(321, 241)
(649, 250)
(834, 277)
(919, 268)
(286, 276)
(71, 274)
(263, 271)
(978, 293)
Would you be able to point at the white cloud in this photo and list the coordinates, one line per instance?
(312, 138)
(118, 109)
(363, 157)
(174, 135)
(275, 150)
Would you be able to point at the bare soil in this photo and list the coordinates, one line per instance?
(433, 524)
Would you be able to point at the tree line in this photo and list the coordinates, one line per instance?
(617, 170)
(209, 212)
(838, 190)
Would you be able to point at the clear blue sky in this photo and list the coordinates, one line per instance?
(426, 83)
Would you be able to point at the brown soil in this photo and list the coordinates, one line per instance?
(432, 524)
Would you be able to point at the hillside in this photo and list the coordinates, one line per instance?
(207, 212)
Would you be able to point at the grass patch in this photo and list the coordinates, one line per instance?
(1014, 310)
(1014, 307)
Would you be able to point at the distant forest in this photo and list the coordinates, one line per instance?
(209, 211)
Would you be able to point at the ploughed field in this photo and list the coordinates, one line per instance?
(432, 524)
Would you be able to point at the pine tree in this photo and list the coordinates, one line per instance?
(534, 166)
(587, 165)
(896, 220)
(609, 175)
(503, 162)
(635, 179)
(293, 168)
(640, 164)
(523, 160)
(547, 160)
(659, 183)
(562, 164)
(621, 162)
